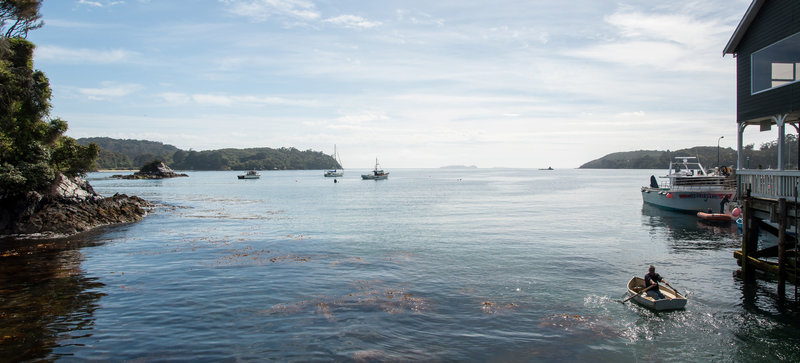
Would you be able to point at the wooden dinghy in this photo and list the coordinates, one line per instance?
(673, 301)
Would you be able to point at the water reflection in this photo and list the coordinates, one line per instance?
(769, 324)
(45, 297)
(687, 231)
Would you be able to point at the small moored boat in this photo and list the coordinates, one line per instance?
(252, 174)
(718, 217)
(673, 301)
(335, 173)
(377, 174)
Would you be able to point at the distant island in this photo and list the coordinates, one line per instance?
(764, 157)
(119, 154)
(458, 167)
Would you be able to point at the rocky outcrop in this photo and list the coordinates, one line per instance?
(69, 207)
(154, 170)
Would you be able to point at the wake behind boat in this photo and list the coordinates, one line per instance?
(673, 301)
(689, 187)
(377, 173)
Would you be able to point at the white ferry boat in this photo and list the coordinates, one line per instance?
(689, 187)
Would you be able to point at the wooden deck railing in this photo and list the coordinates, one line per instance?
(769, 184)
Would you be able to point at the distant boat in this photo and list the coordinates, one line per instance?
(335, 172)
(547, 168)
(377, 173)
(252, 174)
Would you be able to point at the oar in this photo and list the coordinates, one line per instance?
(639, 293)
(673, 289)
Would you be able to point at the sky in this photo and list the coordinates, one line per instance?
(416, 84)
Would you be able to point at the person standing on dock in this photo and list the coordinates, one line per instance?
(652, 278)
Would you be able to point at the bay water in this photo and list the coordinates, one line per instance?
(429, 265)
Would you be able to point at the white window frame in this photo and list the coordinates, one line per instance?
(796, 64)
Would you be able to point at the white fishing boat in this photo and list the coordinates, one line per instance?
(689, 187)
(335, 172)
(673, 300)
(252, 174)
(377, 173)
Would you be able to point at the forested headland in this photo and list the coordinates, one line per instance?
(41, 191)
(765, 157)
(119, 154)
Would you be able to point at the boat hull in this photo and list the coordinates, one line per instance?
(687, 201)
(374, 177)
(674, 300)
(334, 174)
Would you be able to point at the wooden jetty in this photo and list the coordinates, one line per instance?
(766, 45)
(770, 205)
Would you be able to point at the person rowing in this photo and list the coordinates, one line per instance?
(652, 278)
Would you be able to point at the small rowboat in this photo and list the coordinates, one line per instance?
(673, 301)
(720, 217)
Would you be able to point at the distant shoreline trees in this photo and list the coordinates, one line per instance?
(764, 157)
(132, 154)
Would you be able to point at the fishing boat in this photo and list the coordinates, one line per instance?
(377, 173)
(252, 174)
(673, 301)
(335, 172)
(689, 187)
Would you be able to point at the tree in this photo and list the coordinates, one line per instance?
(33, 149)
(18, 17)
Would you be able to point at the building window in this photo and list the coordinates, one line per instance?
(776, 65)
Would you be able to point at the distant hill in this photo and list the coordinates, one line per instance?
(766, 157)
(129, 154)
(132, 154)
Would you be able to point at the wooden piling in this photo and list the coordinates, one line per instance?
(782, 226)
(749, 239)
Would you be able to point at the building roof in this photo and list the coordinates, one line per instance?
(748, 18)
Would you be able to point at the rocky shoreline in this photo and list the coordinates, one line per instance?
(71, 206)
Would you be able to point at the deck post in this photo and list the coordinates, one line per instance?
(748, 230)
(782, 226)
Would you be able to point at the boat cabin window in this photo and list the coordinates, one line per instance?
(776, 65)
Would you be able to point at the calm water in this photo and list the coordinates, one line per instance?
(433, 265)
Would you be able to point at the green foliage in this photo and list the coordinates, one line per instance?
(32, 150)
(253, 158)
(765, 157)
(17, 17)
(129, 154)
(132, 154)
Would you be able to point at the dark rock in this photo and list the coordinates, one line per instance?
(70, 206)
(154, 170)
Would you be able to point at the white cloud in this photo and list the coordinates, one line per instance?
(222, 100)
(99, 3)
(665, 41)
(352, 21)
(83, 56)
(109, 90)
(362, 117)
(261, 10)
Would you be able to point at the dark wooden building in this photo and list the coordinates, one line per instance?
(766, 45)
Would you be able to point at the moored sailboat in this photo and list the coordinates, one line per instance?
(335, 172)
